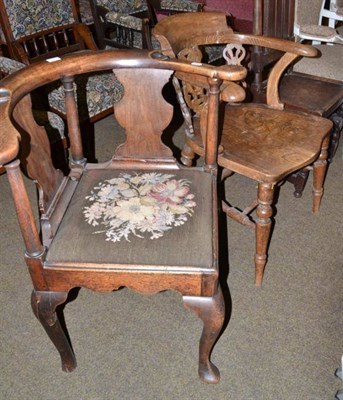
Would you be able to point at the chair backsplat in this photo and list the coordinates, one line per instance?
(143, 116)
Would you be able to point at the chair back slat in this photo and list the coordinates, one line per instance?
(143, 134)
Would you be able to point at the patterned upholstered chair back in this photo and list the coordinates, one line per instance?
(38, 30)
(124, 6)
(27, 18)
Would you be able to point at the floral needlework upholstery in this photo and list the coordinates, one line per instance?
(102, 91)
(143, 205)
(170, 209)
(23, 16)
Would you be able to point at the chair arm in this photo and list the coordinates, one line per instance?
(9, 138)
(292, 51)
(332, 15)
(285, 46)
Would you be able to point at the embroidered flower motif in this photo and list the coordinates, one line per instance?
(150, 203)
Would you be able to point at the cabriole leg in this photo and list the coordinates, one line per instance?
(211, 310)
(44, 307)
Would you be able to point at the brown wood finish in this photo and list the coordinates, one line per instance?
(298, 92)
(263, 142)
(185, 259)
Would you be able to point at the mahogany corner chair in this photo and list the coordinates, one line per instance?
(263, 142)
(139, 220)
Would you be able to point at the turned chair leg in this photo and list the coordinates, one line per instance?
(319, 172)
(44, 307)
(211, 310)
(187, 156)
(263, 226)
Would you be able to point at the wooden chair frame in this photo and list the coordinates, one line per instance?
(180, 35)
(52, 280)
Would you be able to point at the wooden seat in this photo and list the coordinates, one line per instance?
(139, 220)
(262, 142)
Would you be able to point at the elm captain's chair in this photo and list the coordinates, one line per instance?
(263, 142)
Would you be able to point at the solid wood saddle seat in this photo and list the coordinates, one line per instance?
(267, 144)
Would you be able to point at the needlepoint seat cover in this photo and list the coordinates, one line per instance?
(128, 217)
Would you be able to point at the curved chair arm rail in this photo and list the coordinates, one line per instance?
(15, 86)
(292, 51)
(254, 40)
(9, 136)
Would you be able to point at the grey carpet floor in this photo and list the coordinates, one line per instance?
(283, 341)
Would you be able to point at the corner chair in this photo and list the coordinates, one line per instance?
(263, 142)
(139, 220)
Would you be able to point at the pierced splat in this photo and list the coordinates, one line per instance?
(143, 139)
(234, 54)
